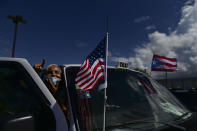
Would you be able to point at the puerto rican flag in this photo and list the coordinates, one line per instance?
(162, 63)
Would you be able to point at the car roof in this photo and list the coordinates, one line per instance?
(12, 59)
(111, 67)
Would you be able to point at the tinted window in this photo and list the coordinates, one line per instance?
(20, 95)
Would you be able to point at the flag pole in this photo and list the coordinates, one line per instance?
(105, 92)
(166, 80)
(151, 65)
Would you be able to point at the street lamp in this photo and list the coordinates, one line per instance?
(16, 19)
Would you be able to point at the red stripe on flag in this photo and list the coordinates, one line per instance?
(163, 57)
(87, 88)
(89, 74)
(81, 73)
(91, 78)
(101, 62)
(168, 64)
(95, 69)
(83, 65)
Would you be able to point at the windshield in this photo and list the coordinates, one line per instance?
(131, 96)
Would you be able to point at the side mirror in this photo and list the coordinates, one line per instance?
(23, 122)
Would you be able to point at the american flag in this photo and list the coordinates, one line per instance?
(162, 63)
(92, 69)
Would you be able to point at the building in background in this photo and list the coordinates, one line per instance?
(180, 83)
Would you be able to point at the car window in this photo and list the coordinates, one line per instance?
(19, 95)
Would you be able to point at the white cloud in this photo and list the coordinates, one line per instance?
(193, 59)
(112, 57)
(150, 27)
(141, 19)
(180, 43)
(122, 59)
(189, 2)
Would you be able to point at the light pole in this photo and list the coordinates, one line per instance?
(16, 19)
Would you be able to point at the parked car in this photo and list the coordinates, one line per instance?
(135, 102)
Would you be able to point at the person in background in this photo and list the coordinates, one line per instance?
(52, 77)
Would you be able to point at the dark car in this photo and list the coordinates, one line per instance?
(135, 102)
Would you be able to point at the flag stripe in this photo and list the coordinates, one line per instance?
(82, 78)
(85, 73)
(83, 68)
(100, 61)
(90, 76)
(167, 64)
(167, 61)
(95, 66)
(90, 80)
(163, 57)
(168, 67)
(93, 86)
(84, 65)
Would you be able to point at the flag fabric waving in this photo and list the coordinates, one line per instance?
(92, 69)
(162, 63)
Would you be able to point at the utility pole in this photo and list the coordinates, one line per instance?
(16, 19)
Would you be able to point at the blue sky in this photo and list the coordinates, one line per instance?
(65, 31)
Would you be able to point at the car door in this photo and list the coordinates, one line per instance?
(22, 104)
